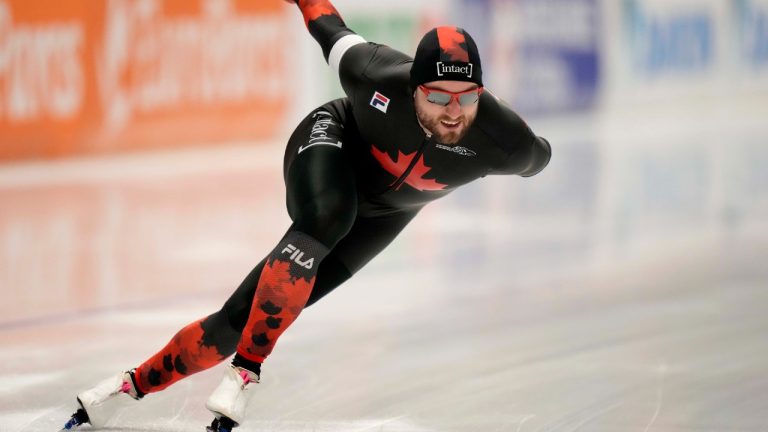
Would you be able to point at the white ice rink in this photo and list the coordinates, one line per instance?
(624, 289)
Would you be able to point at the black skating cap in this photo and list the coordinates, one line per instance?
(446, 53)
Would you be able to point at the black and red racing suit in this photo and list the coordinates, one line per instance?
(398, 168)
(357, 170)
(398, 165)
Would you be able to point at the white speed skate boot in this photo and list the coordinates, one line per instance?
(91, 400)
(229, 400)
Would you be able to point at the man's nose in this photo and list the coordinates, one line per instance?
(453, 108)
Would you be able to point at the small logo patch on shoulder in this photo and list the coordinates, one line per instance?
(380, 102)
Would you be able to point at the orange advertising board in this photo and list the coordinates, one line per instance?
(100, 76)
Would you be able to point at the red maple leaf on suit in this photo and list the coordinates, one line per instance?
(450, 42)
(314, 9)
(397, 167)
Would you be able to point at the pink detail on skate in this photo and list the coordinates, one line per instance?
(245, 377)
(126, 388)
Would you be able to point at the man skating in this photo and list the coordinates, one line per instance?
(357, 170)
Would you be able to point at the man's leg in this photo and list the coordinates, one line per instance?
(208, 341)
(322, 199)
(367, 238)
(198, 346)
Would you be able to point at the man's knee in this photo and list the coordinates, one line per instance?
(327, 217)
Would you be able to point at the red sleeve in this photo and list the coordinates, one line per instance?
(323, 22)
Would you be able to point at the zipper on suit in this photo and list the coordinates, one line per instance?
(399, 182)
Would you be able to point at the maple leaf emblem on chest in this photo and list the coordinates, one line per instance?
(398, 166)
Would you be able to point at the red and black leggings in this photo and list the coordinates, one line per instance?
(328, 242)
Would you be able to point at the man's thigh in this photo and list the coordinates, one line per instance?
(367, 238)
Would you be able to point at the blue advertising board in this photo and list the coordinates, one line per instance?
(539, 55)
(752, 27)
(667, 41)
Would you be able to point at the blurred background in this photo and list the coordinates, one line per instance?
(141, 141)
(141, 146)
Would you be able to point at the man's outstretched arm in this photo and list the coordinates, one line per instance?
(327, 27)
(539, 155)
(528, 159)
(528, 153)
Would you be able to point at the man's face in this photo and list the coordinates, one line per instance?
(447, 123)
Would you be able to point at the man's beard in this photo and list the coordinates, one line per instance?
(433, 123)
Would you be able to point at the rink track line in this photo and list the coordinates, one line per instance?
(179, 412)
(659, 395)
(381, 423)
(525, 419)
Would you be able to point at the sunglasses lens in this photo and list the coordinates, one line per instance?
(443, 98)
(439, 98)
(468, 98)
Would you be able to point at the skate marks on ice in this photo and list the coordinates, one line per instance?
(640, 359)
(30, 420)
(442, 350)
(636, 361)
(125, 418)
(49, 420)
(662, 372)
